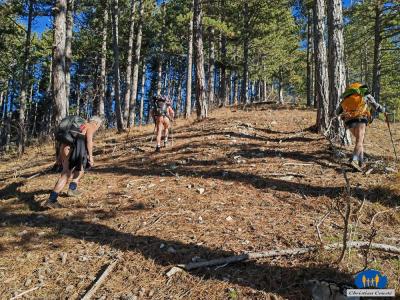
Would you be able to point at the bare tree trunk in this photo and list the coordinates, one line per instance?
(143, 88)
(59, 90)
(179, 95)
(337, 71)
(245, 53)
(160, 56)
(129, 89)
(211, 70)
(236, 93)
(115, 13)
(229, 89)
(201, 101)
(280, 92)
(223, 96)
(132, 106)
(321, 69)
(309, 59)
(78, 98)
(68, 50)
(189, 70)
(376, 72)
(25, 83)
(103, 63)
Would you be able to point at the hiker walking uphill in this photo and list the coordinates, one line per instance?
(75, 147)
(163, 115)
(357, 109)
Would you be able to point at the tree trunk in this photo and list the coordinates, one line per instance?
(103, 63)
(160, 56)
(189, 70)
(201, 101)
(179, 96)
(280, 92)
(223, 96)
(78, 98)
(236, 92)
(59, 90)
(129, 88)
(25, 83)
(68, 50)
(143, 88)
(309, 59)
(211, 70)
(337, 71)
(132, 106)
(115, 13)
(376, 72)
(246, 21)
(321, 70)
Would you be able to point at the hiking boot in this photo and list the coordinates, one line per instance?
(73, 193)
(362, 164)
(355, 165)
(52, 204)
(158, 149)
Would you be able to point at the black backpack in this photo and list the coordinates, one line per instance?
(69, 129)
(160, 107)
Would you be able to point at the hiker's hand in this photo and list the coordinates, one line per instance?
(91, 161)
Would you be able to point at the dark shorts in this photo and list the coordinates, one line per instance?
(354, 122)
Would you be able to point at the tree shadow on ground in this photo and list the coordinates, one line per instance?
(286, 281)
(13, 191)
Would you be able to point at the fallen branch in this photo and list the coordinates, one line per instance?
(100, 280)
(26, 292)
(285, 174)
(319, 224)
(151, 224)
(298, 164)
(382, 212)
(287, 252)
(244, 257)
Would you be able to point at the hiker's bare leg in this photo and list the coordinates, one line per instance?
(359, 133)
(166, 128)
(159, 124)
(65, 152)
(76, 176)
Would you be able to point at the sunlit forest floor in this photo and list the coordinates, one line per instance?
(239, 181)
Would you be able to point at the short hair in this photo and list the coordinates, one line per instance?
(96, 119)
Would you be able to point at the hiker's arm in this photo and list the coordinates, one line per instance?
(171, 112)
(89, 144)
(376, 106)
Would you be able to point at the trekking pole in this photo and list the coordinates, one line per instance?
(391, 136)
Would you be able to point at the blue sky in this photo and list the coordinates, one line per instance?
(42, 23)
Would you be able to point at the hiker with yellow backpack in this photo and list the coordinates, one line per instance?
(357, 110)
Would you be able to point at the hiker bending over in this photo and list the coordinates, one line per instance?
(163, 115)
(75, 145)
(357, 110)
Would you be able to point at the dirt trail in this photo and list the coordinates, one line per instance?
(240, 181)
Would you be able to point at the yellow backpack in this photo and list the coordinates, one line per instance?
(354, 106)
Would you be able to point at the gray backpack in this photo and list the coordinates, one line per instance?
(69, 129)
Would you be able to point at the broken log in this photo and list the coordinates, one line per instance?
(100, 280)
(287, 252)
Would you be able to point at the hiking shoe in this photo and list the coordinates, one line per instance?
(158, 149)
(355, 165)
(52, 204)
(73, 193)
